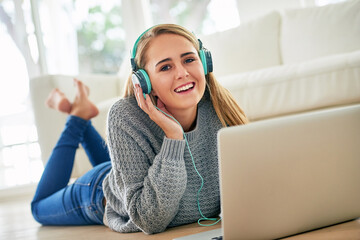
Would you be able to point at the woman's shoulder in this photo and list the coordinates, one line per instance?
(126, 116)
(126, 113)
(127, 103)
(124, 109)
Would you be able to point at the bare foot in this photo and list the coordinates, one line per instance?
(86, 88)
(58, 101)
(82, 106)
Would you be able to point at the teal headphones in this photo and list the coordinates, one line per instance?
(140, 76)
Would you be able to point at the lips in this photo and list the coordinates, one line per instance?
(185, 87)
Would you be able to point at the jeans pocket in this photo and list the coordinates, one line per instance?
(87, 179)
(82, 183)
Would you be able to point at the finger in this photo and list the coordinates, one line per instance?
(149, 103)
(140, 98)
(136, 93)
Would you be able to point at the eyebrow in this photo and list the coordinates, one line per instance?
(169, 59)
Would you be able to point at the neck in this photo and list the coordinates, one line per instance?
(186, 118)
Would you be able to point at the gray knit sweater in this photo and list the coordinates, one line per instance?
(153, 184)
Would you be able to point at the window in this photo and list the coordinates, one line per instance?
(202, 17)
(101, 44)
(20, 157)
(82, 36)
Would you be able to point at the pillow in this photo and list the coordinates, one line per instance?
(252, 45)
(315, 32)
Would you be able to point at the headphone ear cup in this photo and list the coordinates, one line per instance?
(209, 62)
(203, 61)
(141, 77)
(206, 60)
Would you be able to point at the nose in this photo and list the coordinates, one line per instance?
(181, 71)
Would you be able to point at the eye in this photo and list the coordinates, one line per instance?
(189, 60)
(165, 68)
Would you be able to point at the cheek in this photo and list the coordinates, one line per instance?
(202, 80)
(199, 72)
(160, 86)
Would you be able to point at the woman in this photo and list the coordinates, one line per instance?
(163, 144)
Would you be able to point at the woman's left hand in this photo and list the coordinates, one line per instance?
(171, 128)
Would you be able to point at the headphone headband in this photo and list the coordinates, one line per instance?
(133, 53)
(134, 50)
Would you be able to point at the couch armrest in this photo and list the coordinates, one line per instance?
(293, 88)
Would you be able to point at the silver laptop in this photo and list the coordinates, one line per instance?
(288, 175)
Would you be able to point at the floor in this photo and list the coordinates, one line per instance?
(16, 223)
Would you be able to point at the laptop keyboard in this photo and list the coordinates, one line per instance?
(217, 238)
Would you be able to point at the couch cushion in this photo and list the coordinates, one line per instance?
(293, 88)
(102, 86)
(252, 45)
(315, 32)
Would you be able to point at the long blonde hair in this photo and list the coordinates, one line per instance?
(226, 108)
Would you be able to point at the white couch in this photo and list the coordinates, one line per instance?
(291, 61)
(285, 62)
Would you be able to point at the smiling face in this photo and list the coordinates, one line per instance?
(176, 72)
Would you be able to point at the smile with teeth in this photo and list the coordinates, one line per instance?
(184, 88)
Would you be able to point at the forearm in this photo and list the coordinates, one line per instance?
(151, 193)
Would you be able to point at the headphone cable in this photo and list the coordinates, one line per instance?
(203, 218)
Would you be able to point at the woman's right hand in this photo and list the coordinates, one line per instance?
(171, 128)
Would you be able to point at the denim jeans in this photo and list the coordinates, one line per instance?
(81, 203)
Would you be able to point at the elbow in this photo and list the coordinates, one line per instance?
(155, 223)
(153, 230)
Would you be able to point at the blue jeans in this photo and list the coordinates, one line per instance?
(81, 203)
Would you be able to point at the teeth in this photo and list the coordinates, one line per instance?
(183, 88)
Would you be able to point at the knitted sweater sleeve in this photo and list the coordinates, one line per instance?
(147, 184)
